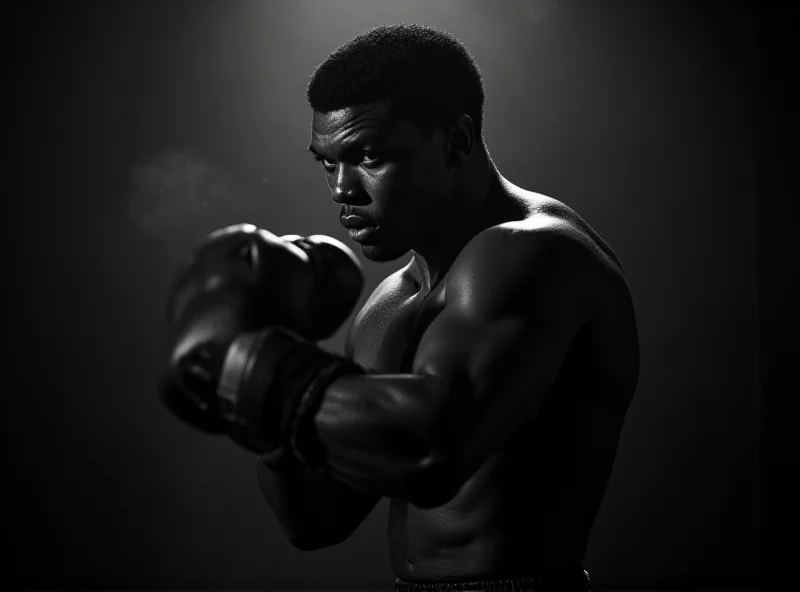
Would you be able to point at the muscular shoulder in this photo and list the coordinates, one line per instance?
(507, 265)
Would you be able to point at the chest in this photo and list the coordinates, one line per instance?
(387, 331)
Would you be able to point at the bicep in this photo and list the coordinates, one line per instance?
(500, 341)
(512, 309)
(492, 377)
(476, 357)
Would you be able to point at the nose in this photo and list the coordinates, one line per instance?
(346, 187)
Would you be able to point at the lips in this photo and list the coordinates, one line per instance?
(354, 222)
(362, 234)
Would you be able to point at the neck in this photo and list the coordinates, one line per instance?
(482, 203)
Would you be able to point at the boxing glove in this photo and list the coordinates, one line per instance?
(239, 280)
(337, 279)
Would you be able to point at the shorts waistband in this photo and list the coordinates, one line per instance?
(572, 582)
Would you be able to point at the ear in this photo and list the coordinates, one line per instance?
(461, 137)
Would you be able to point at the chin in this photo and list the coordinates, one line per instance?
(382, 254)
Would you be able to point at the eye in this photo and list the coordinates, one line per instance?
(326, 164)
(371, 158)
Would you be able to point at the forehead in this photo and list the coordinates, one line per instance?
(351, 124)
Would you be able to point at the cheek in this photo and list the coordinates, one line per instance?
(403, 190)
(432, 187)
(434, 172)
(391, 189)
(428, 173)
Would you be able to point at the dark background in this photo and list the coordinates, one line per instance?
(138, 127)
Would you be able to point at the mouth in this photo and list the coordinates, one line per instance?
(357, 227)
(361, 234)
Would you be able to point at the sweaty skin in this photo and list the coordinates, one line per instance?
(531, 505)
(531, 502)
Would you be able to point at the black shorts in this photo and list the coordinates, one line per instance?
(576, 580)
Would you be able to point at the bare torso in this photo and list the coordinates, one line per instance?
(532, 505)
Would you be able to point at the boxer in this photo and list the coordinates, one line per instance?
(483, 386)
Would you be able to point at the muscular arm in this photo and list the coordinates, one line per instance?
(314, 510)
(515, 300)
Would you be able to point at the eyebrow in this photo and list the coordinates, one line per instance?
(353, 143)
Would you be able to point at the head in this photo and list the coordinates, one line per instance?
(397, 122)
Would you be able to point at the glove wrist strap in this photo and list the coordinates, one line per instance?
(270, 388)
(303, 439)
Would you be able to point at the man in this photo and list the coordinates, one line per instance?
(484, 385)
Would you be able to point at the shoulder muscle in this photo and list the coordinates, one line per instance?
(511, 270)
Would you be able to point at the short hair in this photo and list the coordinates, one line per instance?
(424, 74)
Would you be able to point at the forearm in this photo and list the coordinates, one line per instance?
(383, 434)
